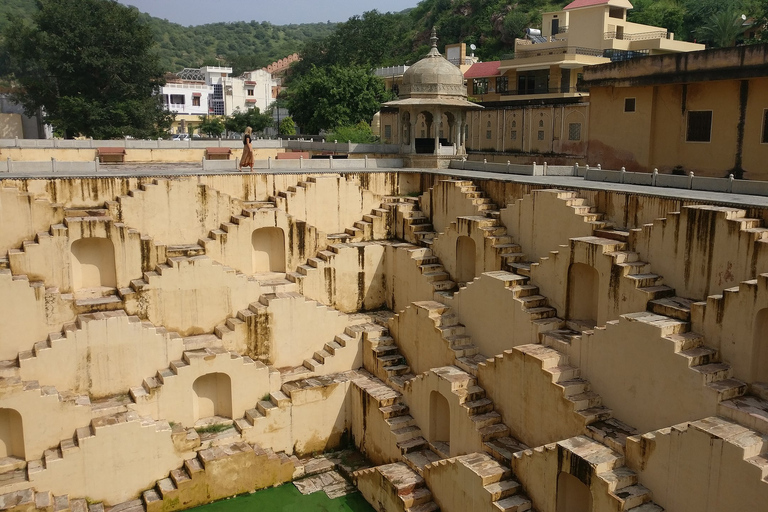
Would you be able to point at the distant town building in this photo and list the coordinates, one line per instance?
(193, 93)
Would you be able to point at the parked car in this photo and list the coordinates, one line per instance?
(181, 136)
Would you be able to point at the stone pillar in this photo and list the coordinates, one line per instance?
(412, 133)
(437, 121)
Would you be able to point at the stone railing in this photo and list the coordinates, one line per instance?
(299, 144)
(728, 185)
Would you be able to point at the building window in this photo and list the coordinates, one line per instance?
(488, 134)
(616, 12)
(387, 131)
(765, 127)
(541, 124)
(480, 86)
(514, 124)
(699, 126)
(177, 99)
(250, 92)
(574, 131)
(195, 101)
(629, 104)
(513, 135)
(502, 84)
(541, 135)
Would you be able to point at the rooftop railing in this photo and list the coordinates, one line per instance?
(640, 36)
(559, 50)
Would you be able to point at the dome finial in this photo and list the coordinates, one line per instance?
(433, 39)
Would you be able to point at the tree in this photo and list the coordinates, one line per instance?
(252, 117)
(212, 126)
(334, 96)
(360, 133)
(287, 126)
(722, 29)
(89, 64)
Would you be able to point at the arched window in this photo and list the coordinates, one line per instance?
(212, 396)
(465, 259)
(439, 422)
(11, 434)
(93, 263)
(268, 250)
(583, 293)
(572, 494)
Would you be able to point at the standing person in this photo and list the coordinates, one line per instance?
(247, 158)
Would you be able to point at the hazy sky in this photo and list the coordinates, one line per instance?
(279, 12)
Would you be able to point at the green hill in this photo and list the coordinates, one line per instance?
(243, 45)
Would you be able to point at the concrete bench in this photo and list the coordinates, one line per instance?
(293, 155)
(218, 153)
(111, 154)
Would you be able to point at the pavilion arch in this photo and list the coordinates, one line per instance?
(760, 347)
(583, 293)
(465, 259)
(439, 419)
(212, 396)
(93, 263)
(11, 434)
(572, 494)
(268, 253)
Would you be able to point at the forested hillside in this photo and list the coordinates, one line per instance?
(242, 45)
(375, 39)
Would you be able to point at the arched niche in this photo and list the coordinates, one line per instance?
(212, 396)
(93, 263)
(583, 290)
(268, 253)
(465, 259)
(11, 434)
(439, 421)
(760, 347)
(572, 494)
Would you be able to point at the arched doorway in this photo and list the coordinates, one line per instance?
(760, 347)
(572, 494)
(268, 250)
(212, 396)
(93, 263)
(465, 259)
(11, 434)
(583, 289)
(439, 422)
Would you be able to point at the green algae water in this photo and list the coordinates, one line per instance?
(287, 498)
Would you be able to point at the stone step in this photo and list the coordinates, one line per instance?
(516, 503)
(673, 307)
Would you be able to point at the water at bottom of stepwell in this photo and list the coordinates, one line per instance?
(287, 498)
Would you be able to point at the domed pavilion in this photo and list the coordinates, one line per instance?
(432, 106)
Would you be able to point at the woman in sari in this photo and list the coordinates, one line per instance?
(247, 158)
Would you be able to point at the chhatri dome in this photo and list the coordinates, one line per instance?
(433, 75)
(433, 106)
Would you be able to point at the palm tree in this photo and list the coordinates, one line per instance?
(722, 29)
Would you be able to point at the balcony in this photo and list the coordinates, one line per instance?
(550, 91)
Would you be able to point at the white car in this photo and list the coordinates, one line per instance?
(181, 136)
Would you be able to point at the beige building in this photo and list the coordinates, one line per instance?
(703, 112)
(533, 102)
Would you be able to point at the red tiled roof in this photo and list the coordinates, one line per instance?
(483, 69)
(584, 3)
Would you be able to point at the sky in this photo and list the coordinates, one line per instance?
(280, 12)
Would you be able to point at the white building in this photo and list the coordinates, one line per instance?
(193, 93)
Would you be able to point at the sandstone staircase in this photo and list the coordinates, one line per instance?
(167, 489)
(409, 487)
(607, 467)
(504, 492)
(414, 448)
